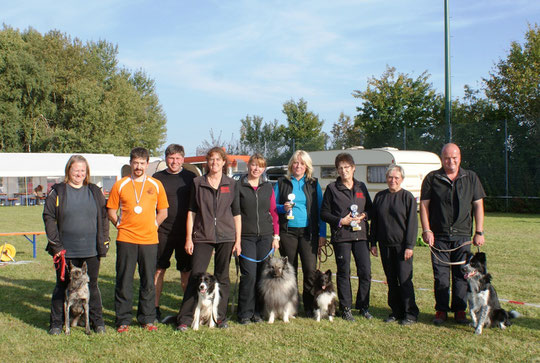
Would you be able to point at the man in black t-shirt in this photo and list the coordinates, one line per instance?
(448, 197)
(177, 182)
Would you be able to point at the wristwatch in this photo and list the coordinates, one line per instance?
(276, 236)
(480, 233)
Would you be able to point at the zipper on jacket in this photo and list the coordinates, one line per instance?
(257, 205)
(216, 197)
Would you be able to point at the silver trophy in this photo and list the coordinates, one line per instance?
(290, 198)
(354, 214)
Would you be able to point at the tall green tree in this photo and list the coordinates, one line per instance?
(60, 95)
(514, 86)
(304, 128)
(393, 104)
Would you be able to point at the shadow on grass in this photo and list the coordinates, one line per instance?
(26, 300)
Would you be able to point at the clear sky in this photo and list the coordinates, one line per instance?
(214, 62)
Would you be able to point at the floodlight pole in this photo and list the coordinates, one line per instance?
(447, 93)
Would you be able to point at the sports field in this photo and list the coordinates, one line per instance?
(512, 248)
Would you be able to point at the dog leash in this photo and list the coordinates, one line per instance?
(60, 262)
(449, 250)
(257, 261)
(325, 250)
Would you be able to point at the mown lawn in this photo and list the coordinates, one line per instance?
(512, 247)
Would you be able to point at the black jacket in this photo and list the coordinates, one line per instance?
(450, 203)
(255, 208)
(336, 204)
(215, 209)
(312, 204)
(53, 217)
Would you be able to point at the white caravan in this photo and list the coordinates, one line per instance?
(371, 165)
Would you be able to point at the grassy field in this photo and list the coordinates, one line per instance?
(512, 248)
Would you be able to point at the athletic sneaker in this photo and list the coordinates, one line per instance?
(346, 314)
(123, 328)
(150, 327)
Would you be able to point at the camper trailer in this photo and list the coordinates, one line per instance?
(371, 165)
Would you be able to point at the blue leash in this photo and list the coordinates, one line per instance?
(257, 261)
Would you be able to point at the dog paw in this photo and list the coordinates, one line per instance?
(478, 331)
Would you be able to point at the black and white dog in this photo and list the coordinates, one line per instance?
(325, 296)
(207, 301)
(77, 298)
(483, 301)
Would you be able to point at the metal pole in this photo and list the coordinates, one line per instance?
(506, 163)
(447, 93)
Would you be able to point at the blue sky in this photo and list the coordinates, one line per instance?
(214, 62)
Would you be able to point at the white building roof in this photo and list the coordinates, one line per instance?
(53, 164)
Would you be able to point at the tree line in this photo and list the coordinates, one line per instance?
(60, 95)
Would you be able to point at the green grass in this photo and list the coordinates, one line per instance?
(512, 248)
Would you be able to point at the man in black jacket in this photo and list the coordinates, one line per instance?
(448, 197)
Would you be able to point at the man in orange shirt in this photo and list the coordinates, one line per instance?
(143, 206)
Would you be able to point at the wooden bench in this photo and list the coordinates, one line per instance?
(26, 234)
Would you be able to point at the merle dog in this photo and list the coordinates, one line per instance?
(77, 298)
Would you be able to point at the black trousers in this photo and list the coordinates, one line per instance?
(59, 293)
(128, 255)
(202, 252)
(360, 252)
(399, 275)
(441, 274)
(256, 248)
(294, 242)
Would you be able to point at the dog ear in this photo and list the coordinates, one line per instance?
(84, 267)
(285, 259)
(481, 256)
(329, 273)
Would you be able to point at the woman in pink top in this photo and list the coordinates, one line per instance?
(260, 234)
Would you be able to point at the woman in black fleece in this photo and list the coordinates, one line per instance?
(394, 224)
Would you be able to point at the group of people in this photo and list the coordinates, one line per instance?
(213, 214)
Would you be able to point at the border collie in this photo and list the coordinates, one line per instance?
(325, 296)
(207, 301)
(483, 301)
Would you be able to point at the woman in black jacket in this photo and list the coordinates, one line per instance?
(394, 225)
(78, 231)
(213, 226)
(260, 235)
(346, 208)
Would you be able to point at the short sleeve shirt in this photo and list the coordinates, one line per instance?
(139, 228)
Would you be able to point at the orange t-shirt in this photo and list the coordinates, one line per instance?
(132, 227)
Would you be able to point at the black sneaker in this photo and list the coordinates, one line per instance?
(366, 314)
(407, 321)
(100, 329)
(391, 319)
(257, 319)
(244, 321)
(55, 331)
(346, 314)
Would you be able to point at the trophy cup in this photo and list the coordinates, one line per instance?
(290, 198)
(354, 214)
